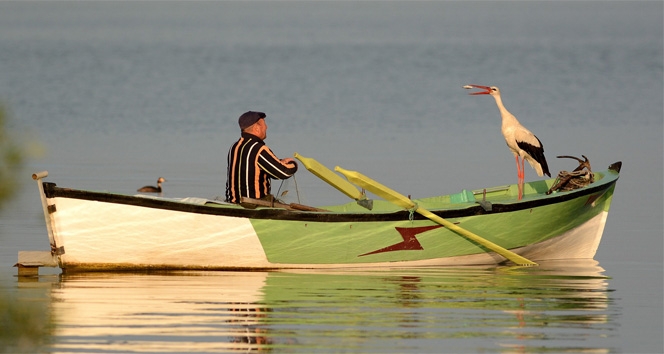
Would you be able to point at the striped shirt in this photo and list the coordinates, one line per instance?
(251, 166)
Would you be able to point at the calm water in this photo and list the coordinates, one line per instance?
(558, 306)
(112, 95)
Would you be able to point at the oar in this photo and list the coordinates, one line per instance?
(335, 180)
(404, 202)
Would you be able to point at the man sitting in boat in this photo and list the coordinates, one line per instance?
(251, 163)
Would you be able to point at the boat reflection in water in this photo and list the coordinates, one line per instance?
(561, 306)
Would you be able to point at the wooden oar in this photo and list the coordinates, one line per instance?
(333, 179)
(404, 202)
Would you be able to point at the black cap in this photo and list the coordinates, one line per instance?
(249, 118)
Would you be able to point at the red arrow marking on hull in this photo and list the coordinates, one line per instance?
(409, 243)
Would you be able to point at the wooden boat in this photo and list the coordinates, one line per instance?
(91, 231)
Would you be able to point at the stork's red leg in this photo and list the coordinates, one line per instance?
(523, 169)
(522, 173)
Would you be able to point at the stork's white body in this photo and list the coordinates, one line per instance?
(521, 141)
(516, 136)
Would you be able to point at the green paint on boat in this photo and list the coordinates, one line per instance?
(360, 242)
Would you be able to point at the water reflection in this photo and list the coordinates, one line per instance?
(559, 306)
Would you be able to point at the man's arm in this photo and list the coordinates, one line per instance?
(275, 167)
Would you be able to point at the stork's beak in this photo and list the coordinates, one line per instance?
(486, 88)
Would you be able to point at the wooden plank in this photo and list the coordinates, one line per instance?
(36, 259)
(275, 204)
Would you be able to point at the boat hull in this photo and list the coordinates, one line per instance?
(92, 231)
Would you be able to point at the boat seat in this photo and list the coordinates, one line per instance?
(465, 196)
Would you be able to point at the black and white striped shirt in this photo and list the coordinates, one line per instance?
(251, 166)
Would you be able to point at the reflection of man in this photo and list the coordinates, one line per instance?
(251, 163)
(249, 324)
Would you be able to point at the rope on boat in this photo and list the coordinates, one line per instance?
(297, 190)
(580, 177)
(411, 212)
(283, 194)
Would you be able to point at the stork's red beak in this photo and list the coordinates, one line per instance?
(487, 89)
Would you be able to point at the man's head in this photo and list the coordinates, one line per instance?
(248, 119)
(253, 123)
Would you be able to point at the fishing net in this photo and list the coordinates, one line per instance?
(580, 177)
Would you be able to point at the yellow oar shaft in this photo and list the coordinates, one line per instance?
(482, 241)
(404, 202)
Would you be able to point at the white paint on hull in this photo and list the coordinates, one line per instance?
(579, 243)
(132, 235)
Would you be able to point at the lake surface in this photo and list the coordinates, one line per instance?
(559, 306)
(112, 95)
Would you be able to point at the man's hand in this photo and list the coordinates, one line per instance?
(288, 161)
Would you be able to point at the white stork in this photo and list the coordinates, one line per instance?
(521, 141)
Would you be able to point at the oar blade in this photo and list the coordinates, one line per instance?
(327, 175)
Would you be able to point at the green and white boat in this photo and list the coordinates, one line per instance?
(101, 231)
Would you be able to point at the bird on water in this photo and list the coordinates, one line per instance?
(522, 142)
(152, 189)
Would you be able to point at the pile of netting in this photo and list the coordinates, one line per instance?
(580, 177)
